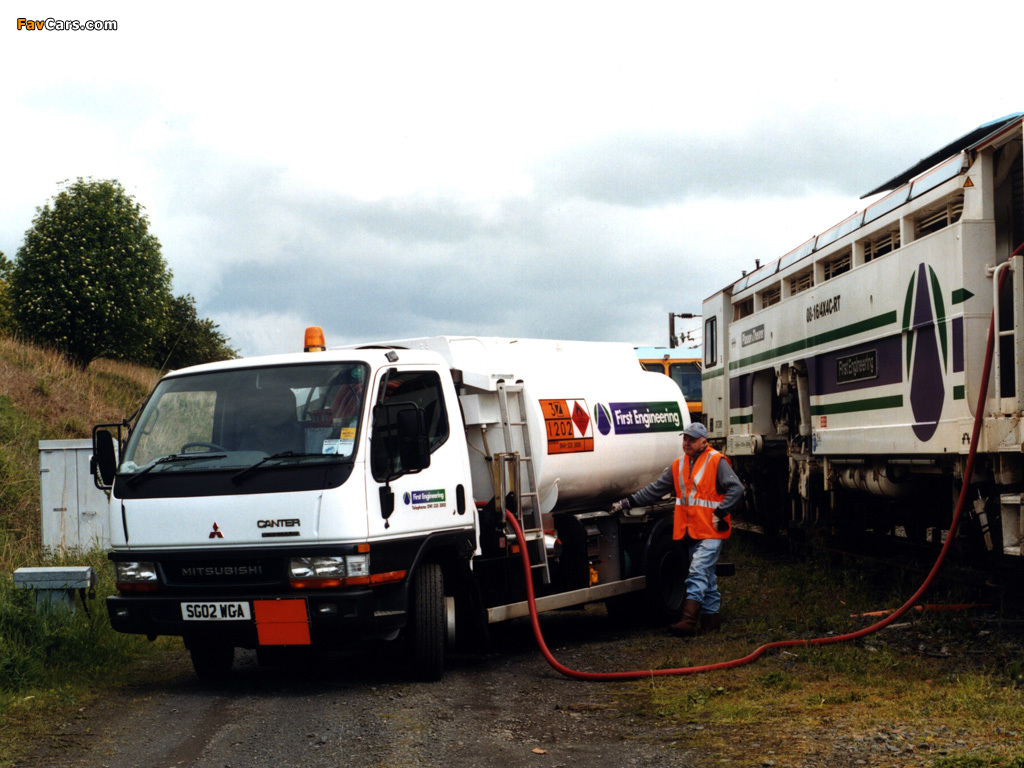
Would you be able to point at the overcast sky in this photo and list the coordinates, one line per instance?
(564, 170)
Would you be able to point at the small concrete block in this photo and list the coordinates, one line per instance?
(55, 577)
(55, 586)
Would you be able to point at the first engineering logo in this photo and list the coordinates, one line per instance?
(66, 25)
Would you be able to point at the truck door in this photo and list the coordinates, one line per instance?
(429, 499)
(716, 370)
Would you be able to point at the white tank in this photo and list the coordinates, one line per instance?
(600, 426)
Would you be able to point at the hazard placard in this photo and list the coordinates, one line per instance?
(570, 428)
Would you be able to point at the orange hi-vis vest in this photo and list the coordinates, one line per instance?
(701, 500)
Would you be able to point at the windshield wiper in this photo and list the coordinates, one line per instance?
(239, 476)
(174, 457)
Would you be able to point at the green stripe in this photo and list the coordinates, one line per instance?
(960, 295)
(880, 321)
(908, 302)
(748, 419)
(940, 312)
(712, 374)
(959, 393)
(907, 306)
(854, 406)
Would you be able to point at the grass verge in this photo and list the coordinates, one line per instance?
(53, 662)
(935, 689)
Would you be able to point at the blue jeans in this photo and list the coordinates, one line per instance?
(702, 583)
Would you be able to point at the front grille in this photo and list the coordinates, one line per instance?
(218, 573)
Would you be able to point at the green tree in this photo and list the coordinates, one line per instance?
(189, 340)
(89, 279)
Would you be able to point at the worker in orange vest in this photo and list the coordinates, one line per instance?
(706, 491)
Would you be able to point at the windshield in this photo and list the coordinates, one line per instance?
(687, 376)
(241, 417)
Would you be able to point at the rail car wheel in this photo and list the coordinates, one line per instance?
(428, 624)
(766, 505)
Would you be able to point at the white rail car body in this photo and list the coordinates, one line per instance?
(848, 371)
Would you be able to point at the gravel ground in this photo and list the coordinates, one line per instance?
(502, 707)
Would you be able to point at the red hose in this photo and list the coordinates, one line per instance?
(758, 652)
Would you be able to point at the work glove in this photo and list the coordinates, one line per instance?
(621, 507)
(721, 524)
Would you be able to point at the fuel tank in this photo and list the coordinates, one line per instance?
(596, 425)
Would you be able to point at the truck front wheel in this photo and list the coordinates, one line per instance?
(211, 661)
(428, 624)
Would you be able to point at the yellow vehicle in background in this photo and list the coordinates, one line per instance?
(684, 371)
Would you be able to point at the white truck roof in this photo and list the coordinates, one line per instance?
(483, 360)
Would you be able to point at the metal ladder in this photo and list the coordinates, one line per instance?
(515, 466)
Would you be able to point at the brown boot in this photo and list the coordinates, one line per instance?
(710, 622)
(687, 625)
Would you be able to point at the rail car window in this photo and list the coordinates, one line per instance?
(710, 342)
(654, 367)
(770, 296)
(744, 308)
(881, 245)
(801, 282)
(839, 264)
(935, 219)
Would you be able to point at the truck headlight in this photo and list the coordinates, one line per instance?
(135, 576)
(323, 572)
(317, 567)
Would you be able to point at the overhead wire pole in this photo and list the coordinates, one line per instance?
(672, 338)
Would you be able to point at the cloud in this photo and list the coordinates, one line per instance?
(576, 171)
(790, 156)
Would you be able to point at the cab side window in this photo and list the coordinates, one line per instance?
(421, 389)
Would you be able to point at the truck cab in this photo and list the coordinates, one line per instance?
(267, 478)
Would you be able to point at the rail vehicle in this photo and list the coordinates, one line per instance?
(842, 379)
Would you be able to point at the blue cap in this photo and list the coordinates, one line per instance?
(696, 429)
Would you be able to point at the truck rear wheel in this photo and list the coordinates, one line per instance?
(211, 661)
(428, 626)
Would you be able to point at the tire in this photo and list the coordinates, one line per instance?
(428, 625)
(211, 662)
(666, 569)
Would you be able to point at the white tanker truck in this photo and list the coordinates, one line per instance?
(316, 499)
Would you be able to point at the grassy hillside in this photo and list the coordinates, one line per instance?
(52, 661)
(43, 397)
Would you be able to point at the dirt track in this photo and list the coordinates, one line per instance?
(504, 707)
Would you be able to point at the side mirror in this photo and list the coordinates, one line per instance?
(104, 458)
(413, 444)
(399, 443)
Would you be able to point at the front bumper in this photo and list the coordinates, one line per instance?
(332, 618)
